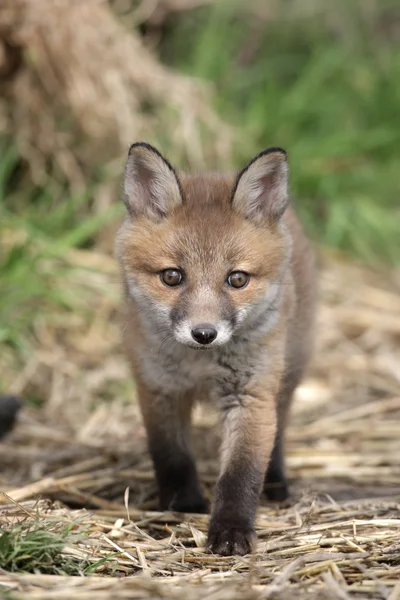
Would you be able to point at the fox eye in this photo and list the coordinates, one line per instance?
(238, 279)
(171, 277)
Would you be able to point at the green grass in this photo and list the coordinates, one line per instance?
(329, 95)
(38, 548)
(37, 229)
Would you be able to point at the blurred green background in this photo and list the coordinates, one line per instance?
(321, 79)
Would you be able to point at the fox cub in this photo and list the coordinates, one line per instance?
(219, 304)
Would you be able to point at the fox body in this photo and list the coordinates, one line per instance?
(219, 304)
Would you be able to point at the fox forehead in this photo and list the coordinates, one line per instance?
(204, 234)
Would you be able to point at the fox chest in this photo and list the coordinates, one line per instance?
(204, 373)
(177, 373)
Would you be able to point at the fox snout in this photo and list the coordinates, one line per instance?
(203, 335)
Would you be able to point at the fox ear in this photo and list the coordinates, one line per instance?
(261, 189)
(151, 185)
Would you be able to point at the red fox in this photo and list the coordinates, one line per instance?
(219, 303)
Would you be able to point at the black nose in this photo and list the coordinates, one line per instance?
(204, 334)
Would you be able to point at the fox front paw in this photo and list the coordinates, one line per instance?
(227, 540)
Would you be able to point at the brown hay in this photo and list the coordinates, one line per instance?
(83, 88)
(339, 537)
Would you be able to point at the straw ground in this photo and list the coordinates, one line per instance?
(79, 513)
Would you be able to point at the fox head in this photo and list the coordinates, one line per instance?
(203, 256)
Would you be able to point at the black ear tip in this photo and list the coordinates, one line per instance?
(145, 145)
(274, 150)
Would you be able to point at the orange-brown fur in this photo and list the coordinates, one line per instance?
(252, 377)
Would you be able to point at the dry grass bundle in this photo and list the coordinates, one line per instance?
(338, 537)
(81, 87)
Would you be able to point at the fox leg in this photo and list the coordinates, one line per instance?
(248, 424)
(275, 484)
(167, 421)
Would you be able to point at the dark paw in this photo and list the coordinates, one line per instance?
(229, 540)
(276, 491)
(190, 505)
(185, 502)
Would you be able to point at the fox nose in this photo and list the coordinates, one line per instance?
(204, 334)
